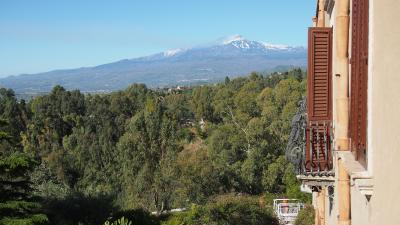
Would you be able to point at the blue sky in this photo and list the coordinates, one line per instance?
(43, 35)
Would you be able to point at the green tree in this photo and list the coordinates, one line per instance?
(280, 178)
(198, 177)
(17, 205)
(149, 149)
(16, 116)
(202, 103)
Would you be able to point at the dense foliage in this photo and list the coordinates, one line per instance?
(226, 210)
(17, 204)
(155, 149)
(306, 216)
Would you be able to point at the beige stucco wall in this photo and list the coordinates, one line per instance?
(360, 209)
(384, 130)
(383, 121)
(330, 213)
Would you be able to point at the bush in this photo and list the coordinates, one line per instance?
(136, 216)
(232, 210)
(192, 217)
(268, 198)
(121, 221)
(37, 219)
(306, 216)
(78, 208)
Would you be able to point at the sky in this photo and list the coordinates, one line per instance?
(43, 35)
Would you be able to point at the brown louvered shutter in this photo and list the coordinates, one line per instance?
(319, 101)
(319, 73)
(359, 79)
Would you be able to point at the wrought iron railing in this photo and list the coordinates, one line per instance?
(317, 152)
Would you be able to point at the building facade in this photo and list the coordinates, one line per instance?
(352, 150)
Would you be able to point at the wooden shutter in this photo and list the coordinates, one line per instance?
(319, 73)
(359, 79)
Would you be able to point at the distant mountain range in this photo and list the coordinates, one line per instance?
(230, 56)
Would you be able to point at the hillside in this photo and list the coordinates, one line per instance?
(210, 149)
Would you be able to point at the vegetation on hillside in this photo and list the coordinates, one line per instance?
(226, 210)
(101, 157)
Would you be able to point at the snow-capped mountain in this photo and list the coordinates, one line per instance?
(229, 56)
(173, 52)
(232, 46)
(240, 42)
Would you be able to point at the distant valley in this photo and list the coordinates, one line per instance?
(232, 56)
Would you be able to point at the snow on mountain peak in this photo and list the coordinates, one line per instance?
(173, 52)
(275, 46)
(243, 44)
(233, 41)
(232, 38)
(239, 41)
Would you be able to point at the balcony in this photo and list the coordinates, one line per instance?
(317, 152)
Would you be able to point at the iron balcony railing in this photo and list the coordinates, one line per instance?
(317, 152)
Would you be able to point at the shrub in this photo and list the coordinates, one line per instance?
(269, 198)
(37, 219)
(191, 217)
(232, 210)
(135, 216)
(306, 216)
(78, 208)
(121, 221)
